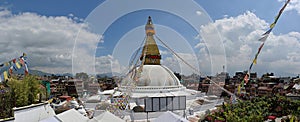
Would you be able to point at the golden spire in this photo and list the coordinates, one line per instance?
(150, 49)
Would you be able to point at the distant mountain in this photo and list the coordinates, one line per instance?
(68, 74)
(21, 71)
(39, 73)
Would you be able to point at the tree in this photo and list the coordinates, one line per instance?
(25, 91)
(6, 103)
(83, 76)
(20, 92)
(257, 109)
(33, 87)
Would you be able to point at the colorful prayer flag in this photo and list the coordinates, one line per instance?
(272, 25)
(260, 47)
(254, 61)
(5, 75)
(22, 61)
(14, 60)
(10, 70)
(14, 67)
(18, 65)
(246, 78)
(280, 12)
(264, 38)
(26, 69)
(268, 32)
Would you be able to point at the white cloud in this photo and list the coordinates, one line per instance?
(176, 65)
(198, 12)
(71, 15)
(48, 41)
(240, 37)
(293, 5)
(164, 52)
(107, 64)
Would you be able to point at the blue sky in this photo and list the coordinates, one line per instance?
(217, 9)
(70, 14)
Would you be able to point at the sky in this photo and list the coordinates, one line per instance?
(98, 36)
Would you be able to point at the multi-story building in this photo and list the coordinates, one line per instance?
(79, 85)
(60, 87)
(93, 88)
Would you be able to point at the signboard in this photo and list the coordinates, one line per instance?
(168, 103)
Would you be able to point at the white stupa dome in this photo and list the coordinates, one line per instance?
(153, 79)
(157, 75)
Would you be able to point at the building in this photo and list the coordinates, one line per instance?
(70, 88)
(93, 88)
(79, 86)
(191, 81)
(59, 87)
(204, 84)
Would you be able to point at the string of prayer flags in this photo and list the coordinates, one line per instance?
(266, 34)
(279, 14)
(14, 64)
(263, 40)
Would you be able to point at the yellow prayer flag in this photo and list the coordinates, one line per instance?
(6, 63)
(272, 25)
(18, 65)
(254, 61)
(5, 75)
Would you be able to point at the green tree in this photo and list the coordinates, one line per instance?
(25, 91)
(257, 109)
(33, 87)
(20, 91)
(6, 103)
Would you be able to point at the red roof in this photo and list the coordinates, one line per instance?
(65, 97)
(272, 117)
